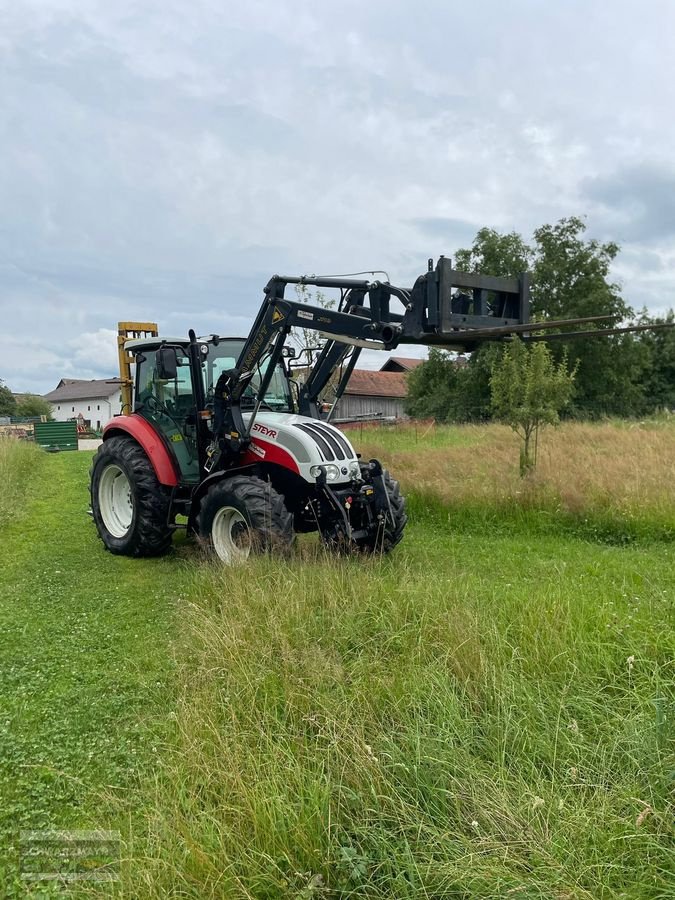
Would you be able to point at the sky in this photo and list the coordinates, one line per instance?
(161, 160)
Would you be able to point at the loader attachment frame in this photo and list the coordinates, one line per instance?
(444, 308)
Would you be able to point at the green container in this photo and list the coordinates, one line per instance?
(56, 435)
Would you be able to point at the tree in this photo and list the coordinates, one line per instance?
(570, 277)
(529, 389)
(442, 389)
(7, 400)
(307, 341)
(492, 253)
(659, 378)
(33, 405)
(432, 387)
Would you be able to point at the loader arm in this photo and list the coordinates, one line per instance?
(444, 308)
(354, 324)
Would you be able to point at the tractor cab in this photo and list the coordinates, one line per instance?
(167, 388)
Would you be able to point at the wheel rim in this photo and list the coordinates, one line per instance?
(115, 500)
(231, 535)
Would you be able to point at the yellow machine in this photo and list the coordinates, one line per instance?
(127, 331)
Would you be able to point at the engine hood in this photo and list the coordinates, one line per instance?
(301, 443)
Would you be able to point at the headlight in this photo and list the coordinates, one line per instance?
(354, 470)
(332, 472)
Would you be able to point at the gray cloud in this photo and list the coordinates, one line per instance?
(162, 160)
(639, 201)
(447, 229)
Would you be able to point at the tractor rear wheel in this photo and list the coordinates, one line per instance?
(242, 515)
(129, 505)
(390, 533)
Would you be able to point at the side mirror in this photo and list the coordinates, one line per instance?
(167, 364)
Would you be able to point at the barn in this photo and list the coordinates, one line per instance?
(400, 364)
(373, 395)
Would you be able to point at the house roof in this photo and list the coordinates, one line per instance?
(80, 389)
(400, 364)
(377, 384)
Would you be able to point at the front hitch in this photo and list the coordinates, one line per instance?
(334, 502)
(382, 503)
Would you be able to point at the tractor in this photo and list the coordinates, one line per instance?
(215, 436)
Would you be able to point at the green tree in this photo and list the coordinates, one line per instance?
(570, 278)
(433, 387)
(529, 390)
(492, 253)
(505, 256)
(623, 374)
(446, 391)
(7, 400)
(659, 345)
(33, 405)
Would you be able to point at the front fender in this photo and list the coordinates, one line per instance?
(144, 434)
(204, 485)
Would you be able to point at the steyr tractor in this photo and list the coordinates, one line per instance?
(215, 436)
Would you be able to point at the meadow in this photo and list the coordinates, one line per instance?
(488, 712)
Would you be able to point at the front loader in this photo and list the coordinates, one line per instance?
(216, 438)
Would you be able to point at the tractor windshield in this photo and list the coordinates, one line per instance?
(224, 355)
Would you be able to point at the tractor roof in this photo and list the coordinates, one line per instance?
(152, 343)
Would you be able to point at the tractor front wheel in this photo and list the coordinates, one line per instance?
(242, 515)
(129, 505)
(390, 532)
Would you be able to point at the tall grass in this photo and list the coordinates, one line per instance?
(457, 720)
(19, 461)
(613, 480)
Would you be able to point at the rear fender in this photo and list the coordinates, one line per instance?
(143, 433)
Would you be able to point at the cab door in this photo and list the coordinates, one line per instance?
(169, 405)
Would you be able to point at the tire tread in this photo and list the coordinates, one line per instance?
(151, 532)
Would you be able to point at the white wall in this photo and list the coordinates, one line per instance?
(97, 410)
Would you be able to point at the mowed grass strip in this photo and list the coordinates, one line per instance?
(86, 677)
(486, 713)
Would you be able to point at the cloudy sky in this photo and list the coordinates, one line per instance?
(160, 160)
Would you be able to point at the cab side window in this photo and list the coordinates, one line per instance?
(145, 373)
(170, 395)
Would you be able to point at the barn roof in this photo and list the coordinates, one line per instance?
(400, 364)
(81, 389)
(377, 384)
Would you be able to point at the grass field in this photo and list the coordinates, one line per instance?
(488, 712)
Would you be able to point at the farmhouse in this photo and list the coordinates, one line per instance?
(95, 401)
